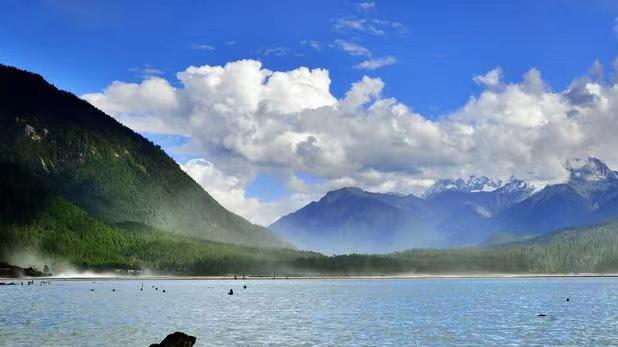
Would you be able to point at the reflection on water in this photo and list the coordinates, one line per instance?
(314, 312)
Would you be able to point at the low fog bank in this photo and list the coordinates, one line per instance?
(60, 268)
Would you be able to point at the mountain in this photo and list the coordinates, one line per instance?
(455, 212)
(352, 220)
(54, 145)
(471, 185)
(347, 220)
(589, 196)
(465, 217)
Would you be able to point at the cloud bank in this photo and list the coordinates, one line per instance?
(243, 119)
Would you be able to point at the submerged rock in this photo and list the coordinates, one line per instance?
(176, 339)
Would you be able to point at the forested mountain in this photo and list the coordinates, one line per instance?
(53, 145)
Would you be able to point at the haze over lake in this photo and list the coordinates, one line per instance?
(425, 312)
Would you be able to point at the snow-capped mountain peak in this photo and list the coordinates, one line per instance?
(590, 170)
(516, 185)
(472, 184)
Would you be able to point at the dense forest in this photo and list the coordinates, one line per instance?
(53, 144)
(63, 233)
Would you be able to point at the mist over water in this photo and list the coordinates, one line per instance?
(427, 312)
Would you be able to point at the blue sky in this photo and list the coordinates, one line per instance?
(83, 45)
(433, 49)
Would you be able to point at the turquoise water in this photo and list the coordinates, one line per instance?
(424, 312)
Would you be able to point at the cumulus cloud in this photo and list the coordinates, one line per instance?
(243, 118)
(372, 64)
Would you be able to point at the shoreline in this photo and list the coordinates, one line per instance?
(104, 277)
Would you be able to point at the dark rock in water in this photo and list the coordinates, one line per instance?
(176, 339)
(12, 271)
(541, 315)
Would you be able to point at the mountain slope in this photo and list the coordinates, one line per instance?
(53, 144)
(589, 196)
(457, 212)
(352, 220)
(453, 213)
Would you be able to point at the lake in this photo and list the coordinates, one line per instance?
(396, 312)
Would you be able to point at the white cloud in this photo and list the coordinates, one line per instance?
(352, 48)
(202, 46)
(366, 6)
(311, 43)
(146, 71)
(246, 119)
(275, 51)
(490, 79)
(376, 27)
(372, 64)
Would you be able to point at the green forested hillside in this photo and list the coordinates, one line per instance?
(63, 233)
(53, 144)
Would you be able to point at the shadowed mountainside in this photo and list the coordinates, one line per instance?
(55, 145)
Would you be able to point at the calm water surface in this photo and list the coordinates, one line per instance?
(424, 312)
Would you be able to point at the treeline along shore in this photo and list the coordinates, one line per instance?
(63, 233)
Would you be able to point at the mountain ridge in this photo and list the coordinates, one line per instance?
(79, 153)
(468, 212)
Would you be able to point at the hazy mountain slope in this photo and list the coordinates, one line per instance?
(73, 150)
(352, 220)
(590, 196)
(455, 213)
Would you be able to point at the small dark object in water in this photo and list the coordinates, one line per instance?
(568, 300)
(244, 287)
(163, 290)
(157, 288)
(141, 289)
(541, 315)
(113, 290)
(176, 339)
(235, 277)
(92, 290)
(231, 292)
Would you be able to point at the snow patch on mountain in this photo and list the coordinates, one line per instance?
(470, 185)
(589, 170)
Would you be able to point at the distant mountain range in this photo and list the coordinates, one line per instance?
(453, 212)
